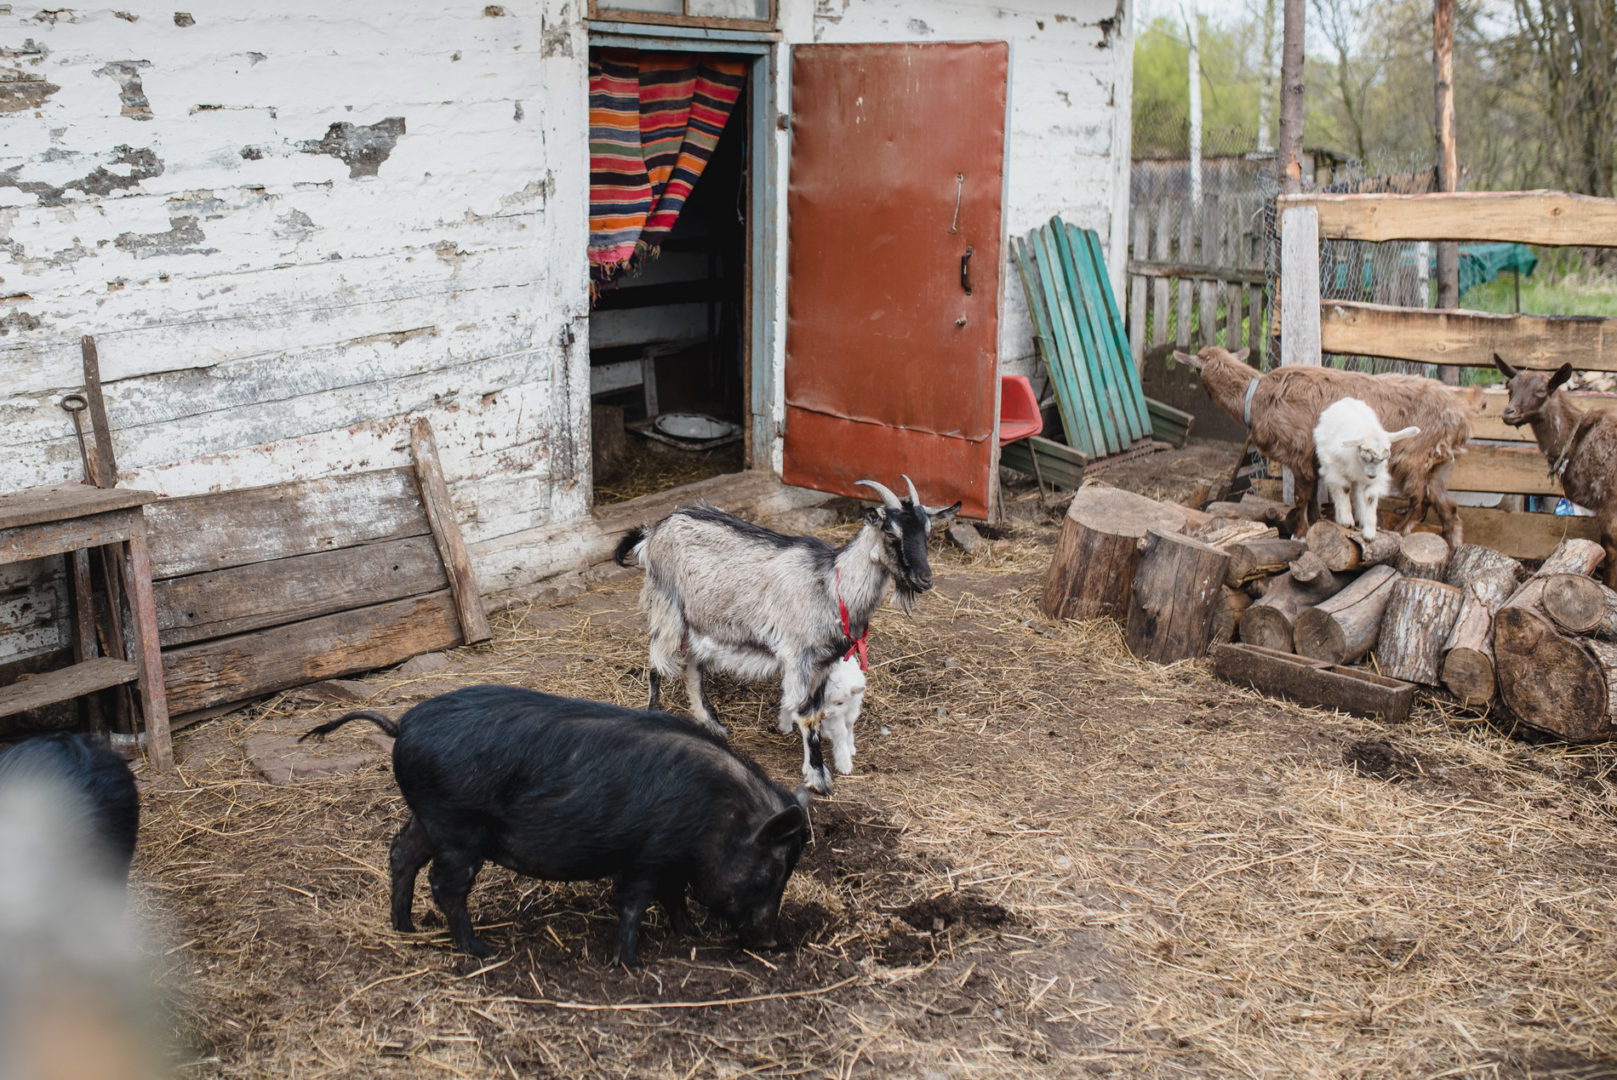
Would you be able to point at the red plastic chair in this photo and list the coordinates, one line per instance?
(1019, 414)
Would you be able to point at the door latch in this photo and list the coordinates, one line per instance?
(965, 271)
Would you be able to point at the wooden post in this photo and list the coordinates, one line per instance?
(1176, 593)
(1448, 165)
(1415, 626)
(1292, 88)
(446, 533)
(1343, 629)
(1098, 551)
(1299, 284)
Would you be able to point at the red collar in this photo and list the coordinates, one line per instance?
(857, 644)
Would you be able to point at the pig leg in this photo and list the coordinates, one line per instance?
(696, 693)
(633, 898)
(672, 898)
(452, 874)
(410, 851)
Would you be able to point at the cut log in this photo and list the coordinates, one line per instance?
(1176, 593)
(1421, 555)
(1552, 681)
(1340, 549)
(1308, 568)
(1227, 619)
(1270, 622)
(1474, 561)
(1580, 605)
(1468, 670)
(1252, 508)
(1314, 682)
(1225, 533)
(1254, 559)
(1343, 629)
(1096, 556)
(1414, 627)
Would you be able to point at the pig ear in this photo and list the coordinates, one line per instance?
(1562, 375)
(1404, 433)
(783, 828)
(1504, 368)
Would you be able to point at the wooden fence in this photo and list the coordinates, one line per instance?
(1501, 458)
(1195, 275)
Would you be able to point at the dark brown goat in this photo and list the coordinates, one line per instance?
(1285, 403)
(1581, 446)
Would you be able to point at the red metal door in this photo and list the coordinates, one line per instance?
(893, 268)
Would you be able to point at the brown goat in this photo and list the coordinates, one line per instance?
(1581, 446)
(1285, 404)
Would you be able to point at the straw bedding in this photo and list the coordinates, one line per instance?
(1054, 861)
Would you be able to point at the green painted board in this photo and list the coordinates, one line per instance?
(1102, 283)
(1067, 397)
(1080, 345)
(1124, 398)
(1102, 439)
(1109, 399)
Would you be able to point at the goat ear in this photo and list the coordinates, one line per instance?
(942, 515)
(1561, 375)
(1404, 433)
(1242, 354)
(1504, 368)
(1188, 358)
(873, 515)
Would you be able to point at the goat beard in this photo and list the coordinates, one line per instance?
(904, 596)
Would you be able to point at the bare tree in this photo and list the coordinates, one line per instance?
(1573, 46)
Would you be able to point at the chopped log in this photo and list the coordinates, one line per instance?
(1253, 559)
(1271, 621)
(1421, 555)
(1225, 533)
(1552, 681)
(1340, 549)
(1414, 627)
(1097, 553)
(1314, 682)
(1309, 568)
(1252, 508)
(1580, 605)
(1176, 593)
(1473, 561)
(1227, 619)
(1194, 518)
(1468, 669)
(1343, 629)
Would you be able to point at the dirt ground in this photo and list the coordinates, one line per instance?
(1053, 861)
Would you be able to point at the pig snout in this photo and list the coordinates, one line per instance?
(761, 930)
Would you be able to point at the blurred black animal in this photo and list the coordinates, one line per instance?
(571, 790)
(89, 784)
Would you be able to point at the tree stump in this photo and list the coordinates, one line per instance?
(1472, 561)
(1414, 627)
(1098, 551)
(1468, 666)
(1341, 550)
(1550, 680)
(1227, 619)
(1255, 559)
(1422, 555)
(1176, 593)
(1580, 605)
(1343, 629)
(1271, 621)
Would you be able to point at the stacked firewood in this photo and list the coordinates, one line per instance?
(1332, 615)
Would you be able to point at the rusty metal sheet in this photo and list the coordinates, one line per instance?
(892, 331)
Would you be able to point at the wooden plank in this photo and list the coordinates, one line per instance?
(1492, 402)
(1526, 217)
(1468, 338)
(1076, 423)
(1137, 290)
(1182, 313)
(249, 525)
(1087, 401)
(1516, 469)
(1159, 288)
(1299, 286)
(1112, 322)
(57, 537)
(104, 470)
(242, 598)
(60, 502)
(1313, 682)
(1522, 535)
(245, 666)
(146, 651)
(1153, 269)
(65, 684)
(446, 532)
(1257, 328)
(1207, 301)
(1107, 403)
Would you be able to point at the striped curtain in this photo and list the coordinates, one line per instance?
(655, 119)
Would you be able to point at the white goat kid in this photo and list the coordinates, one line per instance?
(844, 696)
(1353, 448)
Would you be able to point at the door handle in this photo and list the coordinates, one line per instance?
(965, 271)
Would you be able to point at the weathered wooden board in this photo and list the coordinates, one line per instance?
(1527, 217)
(1518, 469)
(50, 687)
(1468, 338)
(248, 665)
(56, 537)
(1522, 535)
(58, 502)
(1491, 403)
(1313, 682)
(251, 525)
(446, 532)
(243, 598)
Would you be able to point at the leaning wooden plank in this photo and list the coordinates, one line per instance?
(234, 528)
(1112, 319)
(1169, 424)
(1514, 469)
(249, 665)
(1524, 217)
(1099, 344)
(64, 684)
(242, 598)
(1079, 351)
(1074, 422)
(60, 537)
(446, 531)
(1313, 682)
(1468, 338)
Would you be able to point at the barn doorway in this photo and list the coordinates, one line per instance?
(669, 326)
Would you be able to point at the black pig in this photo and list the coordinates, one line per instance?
(98, 787)
(571, 790)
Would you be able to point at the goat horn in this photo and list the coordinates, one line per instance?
(914, 498)
(887, 497)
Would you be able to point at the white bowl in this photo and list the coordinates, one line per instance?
(697, 427)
